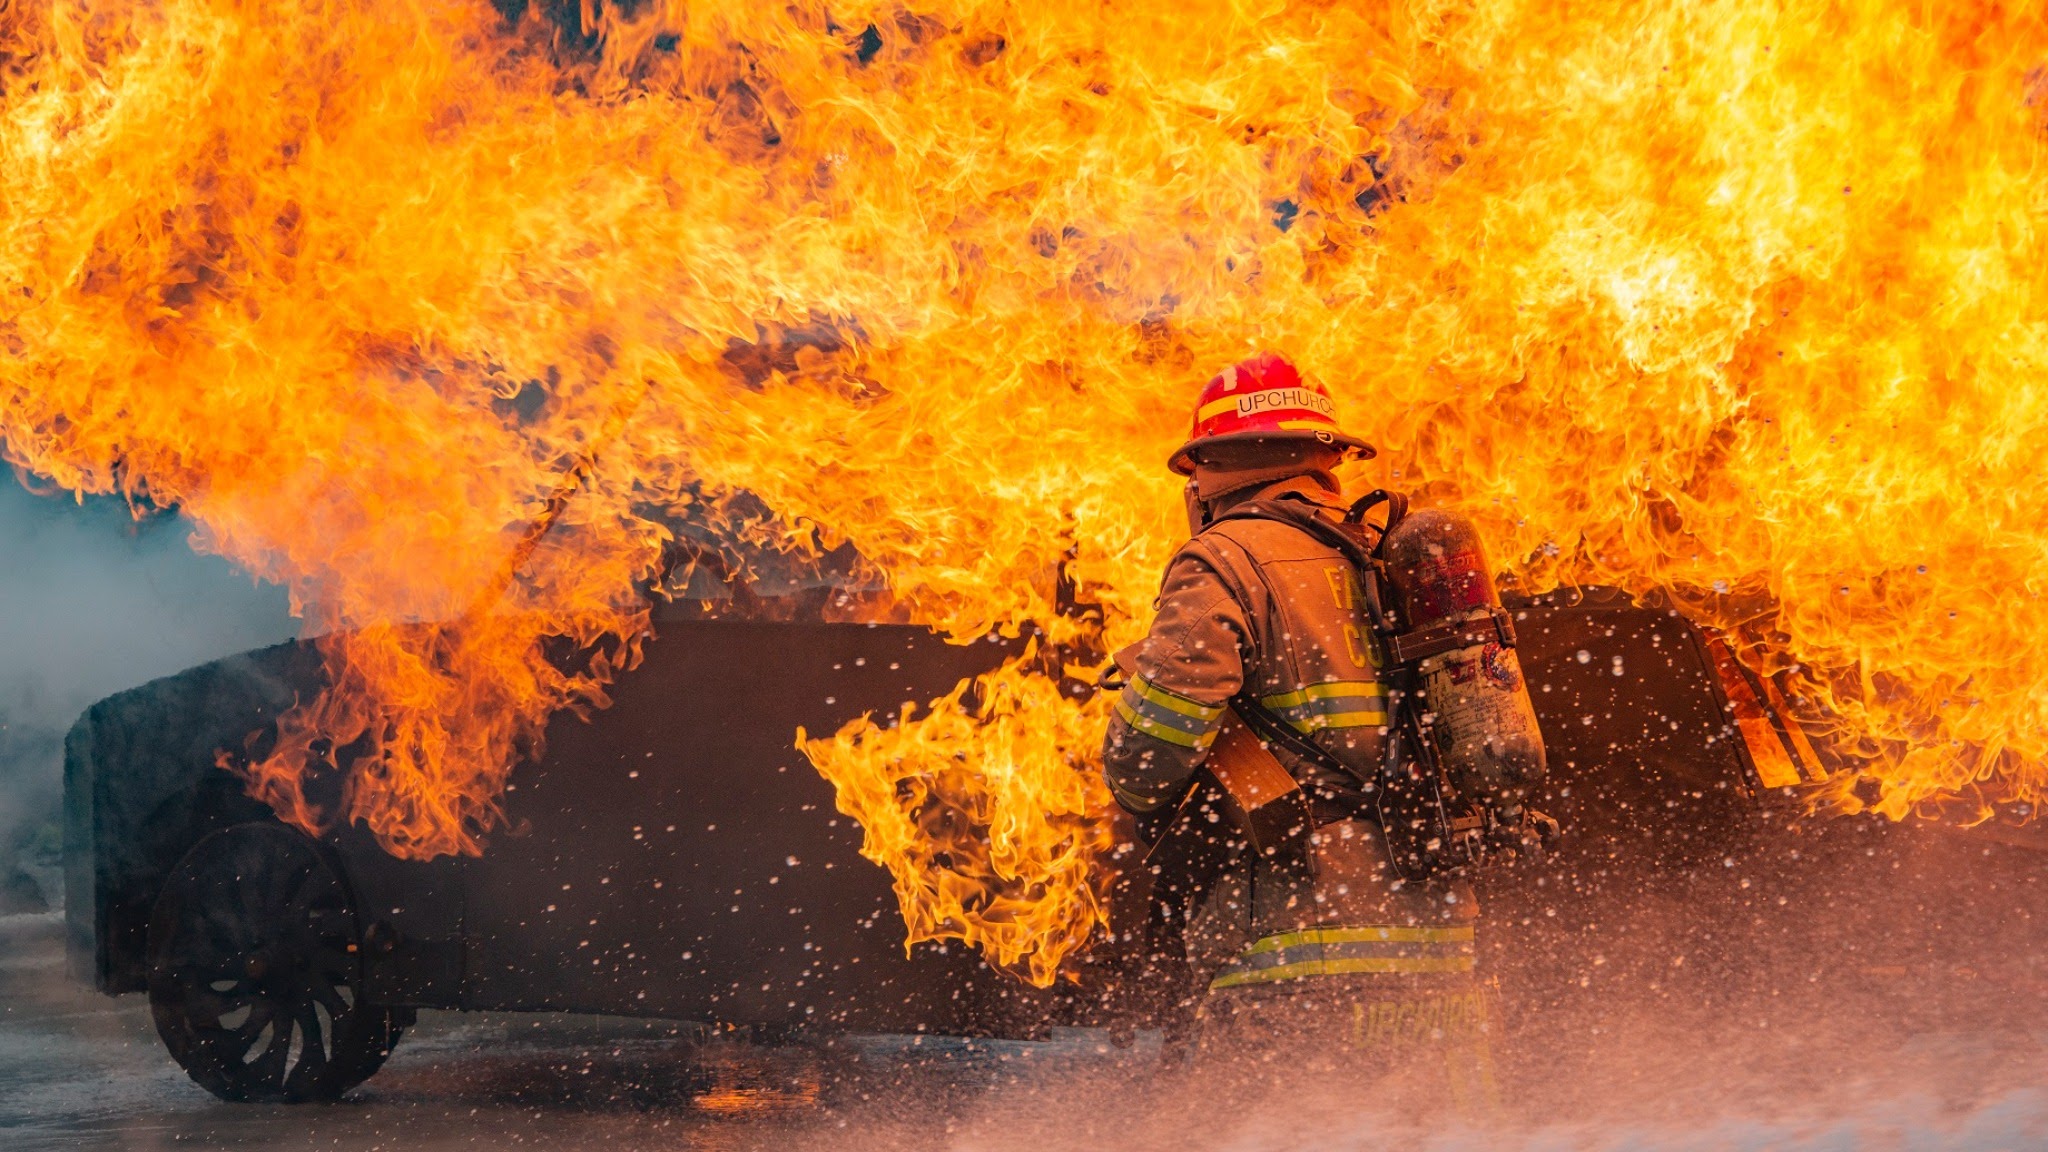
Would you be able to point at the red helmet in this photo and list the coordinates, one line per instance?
(1263, 398)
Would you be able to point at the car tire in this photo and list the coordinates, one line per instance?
(255, 970)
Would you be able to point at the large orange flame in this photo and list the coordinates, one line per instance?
(1736, 303)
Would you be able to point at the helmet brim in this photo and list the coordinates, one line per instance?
(1183, 458)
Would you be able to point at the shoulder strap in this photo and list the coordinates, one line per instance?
(1274, 732)
(1352, 537)
(1351, 542)
(1422, 835)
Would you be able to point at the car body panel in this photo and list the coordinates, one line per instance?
(676, 855)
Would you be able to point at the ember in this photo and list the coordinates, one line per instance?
(1735, 304)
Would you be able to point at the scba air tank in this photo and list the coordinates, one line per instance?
(1460, 643)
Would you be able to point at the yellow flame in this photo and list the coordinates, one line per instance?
(958, 803)
(1737, 303)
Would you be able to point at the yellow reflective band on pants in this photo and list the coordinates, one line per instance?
(1375, 950)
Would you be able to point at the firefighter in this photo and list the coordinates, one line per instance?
(1336, 957)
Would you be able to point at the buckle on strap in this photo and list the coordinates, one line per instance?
(1495, 628)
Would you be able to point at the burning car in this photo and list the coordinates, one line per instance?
(675, 855)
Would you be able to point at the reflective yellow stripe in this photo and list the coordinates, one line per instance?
(1174, 702)
(1459, 934)
(1327, 691)
(1144, 707)
(1332, 704)
(1381, 949)
(1165, 732)
(1381, 965)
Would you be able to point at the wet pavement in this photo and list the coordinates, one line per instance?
(79, 1070)
(1943, 1044)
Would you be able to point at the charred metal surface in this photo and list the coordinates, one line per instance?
(141, 788)
(678, 857)
(1646, 765)
(413, 915)
(701, 738)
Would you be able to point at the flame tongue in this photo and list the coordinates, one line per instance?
(992, 849)
(1735, 303)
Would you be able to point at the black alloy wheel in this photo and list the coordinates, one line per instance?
(255, 971)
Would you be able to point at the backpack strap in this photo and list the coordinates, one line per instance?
(1406, 795)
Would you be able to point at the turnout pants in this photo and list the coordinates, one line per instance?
(1350, 978)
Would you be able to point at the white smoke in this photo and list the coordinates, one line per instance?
(93, 601)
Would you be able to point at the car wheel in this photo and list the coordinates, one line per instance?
(255, 970)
